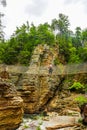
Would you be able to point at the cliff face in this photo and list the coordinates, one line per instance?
(41, 90)
(11, 106)
(37, 87)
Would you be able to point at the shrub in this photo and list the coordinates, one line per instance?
(77, 86)
(81, 100)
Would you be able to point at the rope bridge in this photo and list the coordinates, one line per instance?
(57, 70)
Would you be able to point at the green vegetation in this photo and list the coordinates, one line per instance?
(81, 100)
(56, 61)
(77, 86)
(38, 128)
(18, 49)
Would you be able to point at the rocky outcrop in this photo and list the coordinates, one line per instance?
(11, 106)
(37, 90)
(42, 91)
(37, 87)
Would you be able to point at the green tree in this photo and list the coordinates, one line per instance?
(62, 24)
(63, 38)
(84, 37)
(78, 37)
(19, 48)
(73, 56)
(45, 34)
(2, 51)
(83, 53)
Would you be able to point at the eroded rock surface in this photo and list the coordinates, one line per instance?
(37, 87)
(11, 106)
(41, 91)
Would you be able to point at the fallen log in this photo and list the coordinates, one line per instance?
(61, 126)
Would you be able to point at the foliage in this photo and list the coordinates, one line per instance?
(83, 54)
(84, 35)
(18, 49)
(56, 61)
(77, 86)
(2, 50)
(81, 100)
(22, 43)
(45, 34)
(78, 37)
(73, 57)
(61, 24)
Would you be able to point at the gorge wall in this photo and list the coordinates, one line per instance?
(11, 106)
(42, 91)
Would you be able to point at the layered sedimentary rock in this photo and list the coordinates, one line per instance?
(40, 90)
(36, 85)
(11, 106)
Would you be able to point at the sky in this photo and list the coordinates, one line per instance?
(18, 12)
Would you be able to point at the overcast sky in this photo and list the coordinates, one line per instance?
(18, 12)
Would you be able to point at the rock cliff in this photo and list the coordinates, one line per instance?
(37, 87)
(42, 91)
(11, 106)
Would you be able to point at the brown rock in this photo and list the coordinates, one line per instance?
(11, 106)
(39, 90)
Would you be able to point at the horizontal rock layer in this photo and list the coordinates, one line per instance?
(41, 91)
(11, 106)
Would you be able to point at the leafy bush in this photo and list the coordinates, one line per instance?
(77, 86)
(81, 100)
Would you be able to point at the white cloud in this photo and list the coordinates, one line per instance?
(82, 2)
(36, 8)
(39, 11)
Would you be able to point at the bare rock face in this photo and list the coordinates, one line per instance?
(37, 87)
(37, 90)
(11, 106)
(41, 90)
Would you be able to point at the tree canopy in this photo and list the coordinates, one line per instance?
(19, 47)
